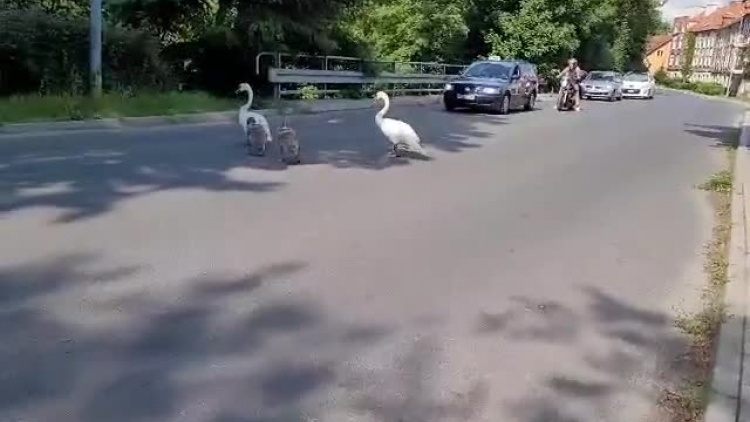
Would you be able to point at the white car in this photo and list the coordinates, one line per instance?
(638, 85)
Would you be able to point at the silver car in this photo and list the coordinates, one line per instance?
(602, 85)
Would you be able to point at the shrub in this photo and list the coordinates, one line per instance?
(48, 54)
(709, 88)
(309, 92)
(661, 76)
(706, 88)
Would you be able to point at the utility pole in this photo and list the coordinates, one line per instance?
(95, 44)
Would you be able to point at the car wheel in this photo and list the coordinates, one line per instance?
(531, 103)
(449, 106)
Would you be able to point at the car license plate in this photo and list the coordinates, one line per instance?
(631, 91)
(470, 97)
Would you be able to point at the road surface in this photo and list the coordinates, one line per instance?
(529, 271)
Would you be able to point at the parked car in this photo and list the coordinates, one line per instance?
(603, 85)
(499, 85)
(638, 85)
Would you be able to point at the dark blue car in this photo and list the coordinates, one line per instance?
(498, 85)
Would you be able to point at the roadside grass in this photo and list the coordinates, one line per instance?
(34, 108)
(687, 403)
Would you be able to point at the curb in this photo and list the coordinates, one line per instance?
(728, 399)
(223, 117)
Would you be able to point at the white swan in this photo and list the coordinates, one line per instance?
(245, 114)
(397, 132)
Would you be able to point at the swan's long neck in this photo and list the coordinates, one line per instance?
(249, 100)
(381, 113)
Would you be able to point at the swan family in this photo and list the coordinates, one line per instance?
(258, 132)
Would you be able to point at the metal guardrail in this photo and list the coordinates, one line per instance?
(288, 71)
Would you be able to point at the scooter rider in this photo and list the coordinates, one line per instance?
(577, 75)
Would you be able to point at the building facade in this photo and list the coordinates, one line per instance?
(657, 53)
(719, 33)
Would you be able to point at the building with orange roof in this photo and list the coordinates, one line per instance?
(715, 34)
(679, 39)
(657, 53)
(718, 32)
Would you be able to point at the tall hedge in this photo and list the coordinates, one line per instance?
(48, 54)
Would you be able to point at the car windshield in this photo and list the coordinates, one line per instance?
(597, 76)
(637, 77)
(489, 70)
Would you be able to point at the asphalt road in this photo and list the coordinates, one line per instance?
(528, 272)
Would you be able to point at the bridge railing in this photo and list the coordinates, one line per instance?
(288, 72)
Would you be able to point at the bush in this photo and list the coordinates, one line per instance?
(709, 88)
(661, 76)
(48, 54)
(309, 92)
(705, 88)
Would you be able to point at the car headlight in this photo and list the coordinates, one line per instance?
(449, 87)
(490, 91)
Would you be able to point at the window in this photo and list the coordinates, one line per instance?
(659, 53)
(601, 76)
(497, 70)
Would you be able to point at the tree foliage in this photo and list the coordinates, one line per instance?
(411, 30)
(212, 43)
(48, 53)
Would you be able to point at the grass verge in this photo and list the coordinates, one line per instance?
(688, 402)
(34, 108)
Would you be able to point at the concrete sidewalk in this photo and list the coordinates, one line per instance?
(730, 387)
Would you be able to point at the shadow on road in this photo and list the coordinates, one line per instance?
(214, 350)
(641, 356)
(220, 348)
(723, 135)
(85, 174)
(210, 348)
(353, 140)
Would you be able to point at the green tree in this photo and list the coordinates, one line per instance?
(66, 8)
(534, 33)
(171, 20)
(622, 46)
(411, 30)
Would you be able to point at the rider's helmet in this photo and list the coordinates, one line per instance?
(572, 62)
